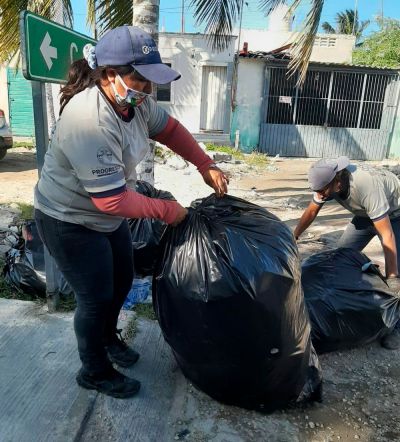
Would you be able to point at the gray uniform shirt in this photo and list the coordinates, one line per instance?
(373, 193)
(94, 151)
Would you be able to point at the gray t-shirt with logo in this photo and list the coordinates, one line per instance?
(373, 193)
(94, 151)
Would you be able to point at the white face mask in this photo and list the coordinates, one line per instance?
(132, 97)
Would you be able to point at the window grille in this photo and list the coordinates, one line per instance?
(331, 99)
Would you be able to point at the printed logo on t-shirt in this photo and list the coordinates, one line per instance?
(105, 171)
(104, 155)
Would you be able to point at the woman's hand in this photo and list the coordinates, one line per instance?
(216, 179)
(180, 216)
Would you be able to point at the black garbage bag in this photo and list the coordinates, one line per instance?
(228, 297)
(348, 301)
(25, 267)
(147, 233)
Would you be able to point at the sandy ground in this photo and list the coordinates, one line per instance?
(361, 386)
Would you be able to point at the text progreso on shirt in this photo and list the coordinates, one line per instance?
(104, 171)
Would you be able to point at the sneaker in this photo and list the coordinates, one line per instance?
(392, 340)
(119, 352)
(112, 383)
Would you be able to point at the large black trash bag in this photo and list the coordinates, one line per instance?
(147, 233)
(348, 301)
(228, 297)
(25, 268)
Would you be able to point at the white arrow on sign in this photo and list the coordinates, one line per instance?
(48, 51)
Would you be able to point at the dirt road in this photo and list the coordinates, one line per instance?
(361, 386)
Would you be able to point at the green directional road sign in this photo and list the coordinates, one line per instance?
(48, 48)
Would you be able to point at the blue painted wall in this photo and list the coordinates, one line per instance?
(249, 98)
(20, 104)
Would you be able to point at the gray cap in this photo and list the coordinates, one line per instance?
(324, 171)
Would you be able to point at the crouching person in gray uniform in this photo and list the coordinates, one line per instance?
(373, 196)
(86, 190)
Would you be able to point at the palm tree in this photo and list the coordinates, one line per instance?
(9, 22)
(347, 22)
(146, 16)
(218, 16)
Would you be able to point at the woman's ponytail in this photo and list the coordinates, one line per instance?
(80, 77)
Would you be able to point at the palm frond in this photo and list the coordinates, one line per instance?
(269, 5)
(361, 28)
(68, 13)
(113, 13)
(219, 17)
(328, 28)
(9, 23)
(91, 17)
(302, 47)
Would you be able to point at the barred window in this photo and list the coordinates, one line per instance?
(345, 99)
(331, 99)
(312, 99)
(282, 93)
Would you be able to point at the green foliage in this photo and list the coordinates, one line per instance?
(347, 22)
(8, 292)
(66, 304)
(9, 23)
(253, 159)
(26, 211)
(27, 144)
(145, 311)
(381, 49)
(225, 149)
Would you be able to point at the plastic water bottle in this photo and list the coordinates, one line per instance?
(139, 293)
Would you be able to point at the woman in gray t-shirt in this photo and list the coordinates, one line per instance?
(86, 190)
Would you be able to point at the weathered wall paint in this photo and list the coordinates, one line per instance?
(327, 48)
(395, 138)
(249, 97)
(188, 53)
(21, 108)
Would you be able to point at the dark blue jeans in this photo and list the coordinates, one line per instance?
(99, 268)
(360, 231)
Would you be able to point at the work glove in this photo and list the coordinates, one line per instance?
(393, 283)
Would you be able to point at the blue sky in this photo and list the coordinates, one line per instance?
(170, 13)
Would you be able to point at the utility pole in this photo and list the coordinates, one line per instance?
(382, 10)
(236, 62)
(183, 17)
(240, 27)
(355, 17)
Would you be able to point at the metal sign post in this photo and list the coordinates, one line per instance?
(47, 50)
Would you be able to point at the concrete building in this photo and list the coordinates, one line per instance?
(328, 48)
(340, 110)
(201, 98)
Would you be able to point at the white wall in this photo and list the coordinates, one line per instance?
(328, 48)
(188, 53)
(4, 93)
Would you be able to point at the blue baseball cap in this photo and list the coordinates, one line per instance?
(130, 45)
(324, 171)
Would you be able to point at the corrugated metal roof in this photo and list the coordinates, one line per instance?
(278, 56)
